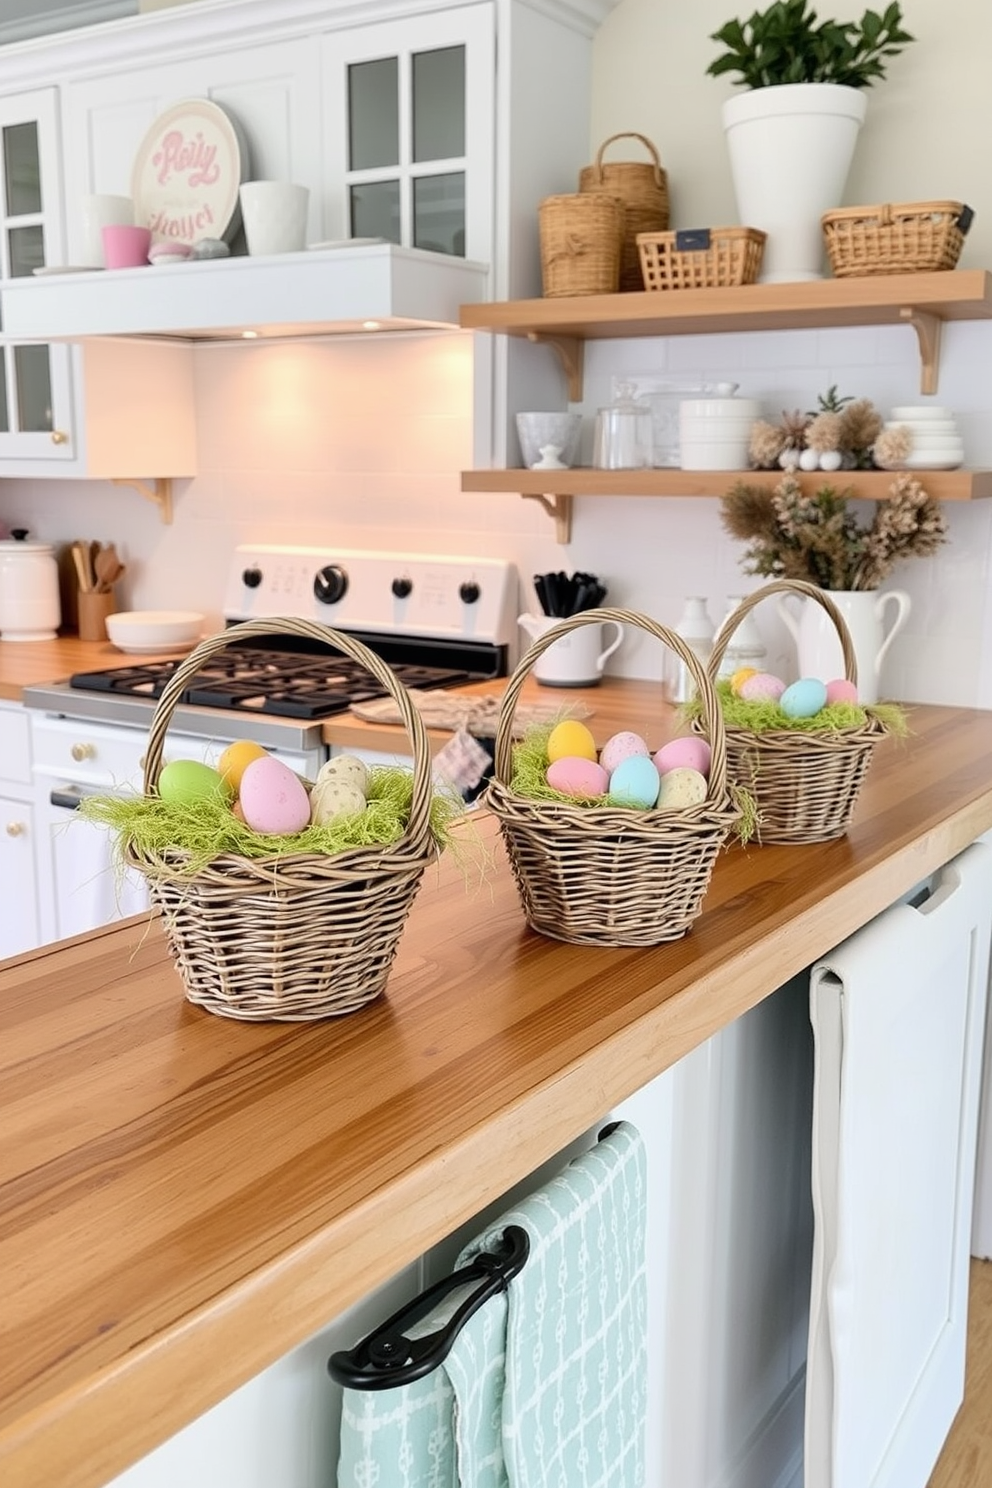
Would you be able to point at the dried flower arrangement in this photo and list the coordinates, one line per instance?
(840, 434)
(818, 537)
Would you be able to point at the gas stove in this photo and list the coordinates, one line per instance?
(437, 621)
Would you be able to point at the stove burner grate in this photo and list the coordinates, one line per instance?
(255, 680)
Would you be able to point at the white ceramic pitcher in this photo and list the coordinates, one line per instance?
(574, 660)
(818, 644)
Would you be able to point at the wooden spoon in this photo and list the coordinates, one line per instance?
(108, 568)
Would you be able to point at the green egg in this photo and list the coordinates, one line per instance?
(184, 781)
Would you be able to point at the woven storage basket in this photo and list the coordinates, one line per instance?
(908, 238)
(703, 258)
(609, 875)
(805, 784)
(581, 237)
(298, 936)
(643, 189)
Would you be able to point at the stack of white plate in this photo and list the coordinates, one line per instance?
(937, 442)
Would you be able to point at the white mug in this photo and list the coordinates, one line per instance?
(275, 216)
(574, 660)
(97, 210)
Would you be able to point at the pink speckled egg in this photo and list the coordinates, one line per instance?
(578, 777)
(841, 691)
(762, 688)
(620, 747)
(273, 799)
(690, 753)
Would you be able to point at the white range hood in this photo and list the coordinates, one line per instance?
(347, 289)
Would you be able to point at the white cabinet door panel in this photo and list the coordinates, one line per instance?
(898, 1012)
(19, 927)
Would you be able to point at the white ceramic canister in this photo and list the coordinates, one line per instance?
(715, 433)
(30, 609)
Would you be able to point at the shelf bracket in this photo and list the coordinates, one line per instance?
(569, 351)
(928, 328)
(558, 507)
(160, 493)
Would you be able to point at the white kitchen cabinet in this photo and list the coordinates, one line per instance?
(19, 916)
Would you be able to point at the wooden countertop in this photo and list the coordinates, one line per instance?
(184, 1198)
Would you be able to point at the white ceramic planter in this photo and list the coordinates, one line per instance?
(790, 151)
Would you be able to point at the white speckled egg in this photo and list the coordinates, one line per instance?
(333, 800)
(635, 782)
(681, 788)
(804, 698)
(345, 767)
(620, 747)
(840, 690)
(762, 687)
(579, 777)
(272, 798)
(691, 752)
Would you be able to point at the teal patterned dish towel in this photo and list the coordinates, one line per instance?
(544, 1387)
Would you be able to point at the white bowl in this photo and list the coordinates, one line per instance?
(910, 412)
(691, 427)
(560, 430)
(939, 443)
(935, 461)
(713, 454)
(142, 631)
(927, 428)
(749, 408)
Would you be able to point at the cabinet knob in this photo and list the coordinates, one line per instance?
(82, 751)
(15, 829)
(59, 437)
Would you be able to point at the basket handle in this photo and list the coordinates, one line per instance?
(785, 586)
(712, 714)
(630, 134)
(422, 798)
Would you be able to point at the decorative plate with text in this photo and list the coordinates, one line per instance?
(187, 172)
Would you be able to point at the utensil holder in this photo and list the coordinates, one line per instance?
(92, 608)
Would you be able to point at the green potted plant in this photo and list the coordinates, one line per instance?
(791, 134)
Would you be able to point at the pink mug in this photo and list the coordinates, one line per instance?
(125, 247)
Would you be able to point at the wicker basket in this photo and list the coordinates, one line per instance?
(805, 784)
(908, 238)
(581, 236)
(298, 936)
(610, 875)
(643, 189)
(703, 258)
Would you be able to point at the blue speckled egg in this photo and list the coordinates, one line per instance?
(803, 698)
(635, 782)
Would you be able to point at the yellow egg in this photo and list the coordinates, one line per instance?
(236, 759)
(184, 781)
(740, 677)
(570, 740)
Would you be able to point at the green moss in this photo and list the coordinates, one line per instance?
(760, 717)
(208, 829)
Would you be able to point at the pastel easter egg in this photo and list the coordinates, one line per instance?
(692, 753)
(571, 739)
(345, 767)
(236, 759)
(804, 698)
(620, 747)
(273, 799)
(740, 677)
(333, 800)
(681, 788)
(635, 782)
(578, 777)
(840, 690)
(762, 687)
(184, 781)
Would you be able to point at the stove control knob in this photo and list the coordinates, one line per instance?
(251, 578)
(469, 592)
(402, 588)
(330, 584)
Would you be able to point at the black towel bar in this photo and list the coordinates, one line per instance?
(387, 1357)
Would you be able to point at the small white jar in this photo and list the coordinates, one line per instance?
(30, 609)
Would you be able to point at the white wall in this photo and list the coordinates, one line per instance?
(361, 445)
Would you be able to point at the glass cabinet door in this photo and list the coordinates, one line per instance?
(33, 378)
(413, 136)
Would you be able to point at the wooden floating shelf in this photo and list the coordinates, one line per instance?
(923, 301)
(555, 489)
